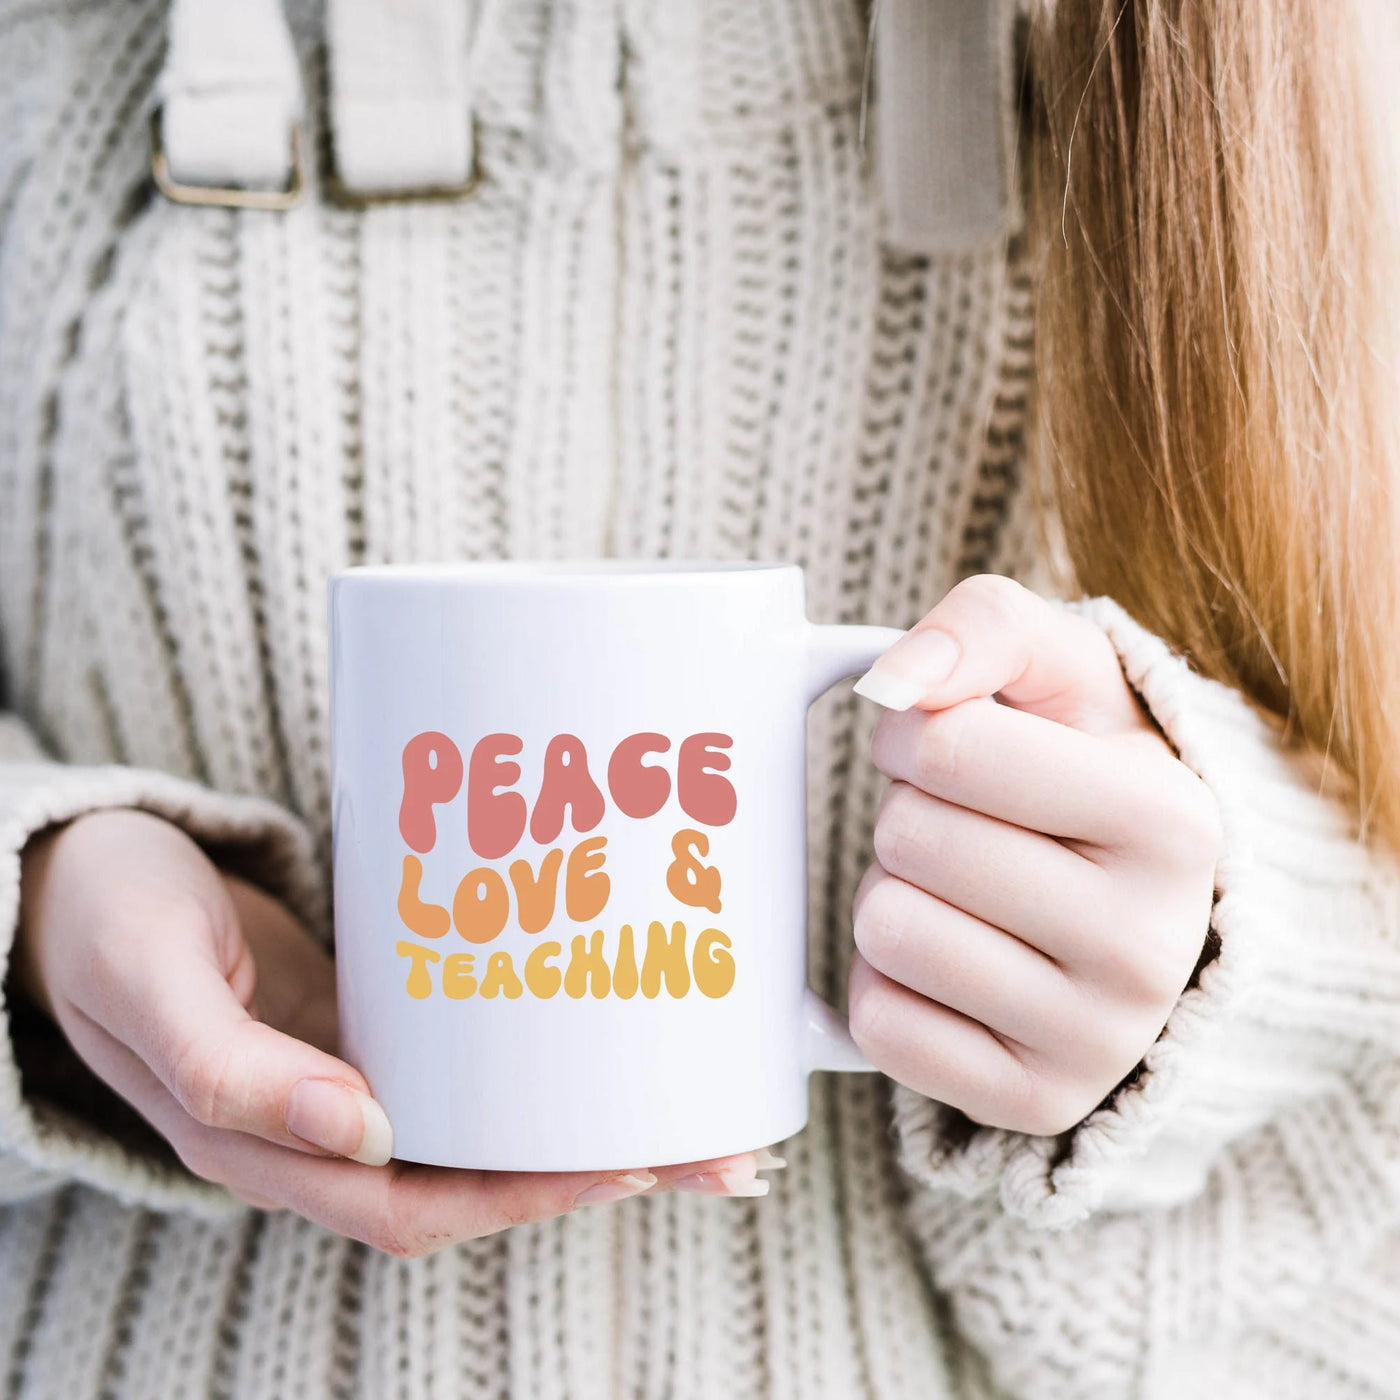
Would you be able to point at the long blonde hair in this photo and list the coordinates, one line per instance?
(1217, 394)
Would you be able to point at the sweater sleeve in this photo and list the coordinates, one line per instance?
(1251, 1165)
(83, 1133)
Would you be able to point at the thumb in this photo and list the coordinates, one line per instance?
(241, 1075)
(183, 1015)
(991, 636)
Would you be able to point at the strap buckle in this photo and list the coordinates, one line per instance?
(337, 192)
(292, 194)
(228, 196)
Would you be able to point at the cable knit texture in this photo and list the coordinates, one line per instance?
(665, 325)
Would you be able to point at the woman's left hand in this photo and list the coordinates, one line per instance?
(1045, 865)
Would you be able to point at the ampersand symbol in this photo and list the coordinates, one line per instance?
(691, 882)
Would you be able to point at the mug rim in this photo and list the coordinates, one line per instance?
(564, 570)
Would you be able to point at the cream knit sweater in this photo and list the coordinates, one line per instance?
(665, 325)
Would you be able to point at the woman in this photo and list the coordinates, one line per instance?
(1127, 953)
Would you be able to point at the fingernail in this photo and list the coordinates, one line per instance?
(377, 1144)
(616, 1188)
(340, 1120)
(766, 1160)
(721, 1183)
(902, 676)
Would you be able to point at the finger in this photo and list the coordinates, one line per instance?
(401, 1208)
(939, 1053)
(733, 1174)
(991, 636)
(959, 961)
(1019, 880)
(736, 1175)
(409, 1210)
(1031, 771)
(178, 1013)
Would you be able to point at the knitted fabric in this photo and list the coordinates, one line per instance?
(665, 325)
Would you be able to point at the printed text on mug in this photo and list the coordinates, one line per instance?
(663, 957)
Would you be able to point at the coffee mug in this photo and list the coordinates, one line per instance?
(569, 809)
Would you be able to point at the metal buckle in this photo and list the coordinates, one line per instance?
(340, 194)
(335, 190)
(227, 196)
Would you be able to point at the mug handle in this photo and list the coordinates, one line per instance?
(832, 654)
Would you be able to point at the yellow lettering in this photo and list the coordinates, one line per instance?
(457, 979)
(625, 968)
(500, 977)
(587, 968)
(542, 978)
(665, 956)
(714, 968)
(420, 982)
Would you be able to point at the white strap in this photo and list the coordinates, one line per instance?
(400, 95)
(943, 128)
(230, 94)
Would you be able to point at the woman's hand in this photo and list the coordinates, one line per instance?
(203, 1002)
(1045, 865)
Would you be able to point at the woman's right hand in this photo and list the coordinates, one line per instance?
(202, 1001)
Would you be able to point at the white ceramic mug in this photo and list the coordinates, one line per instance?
(570, 856)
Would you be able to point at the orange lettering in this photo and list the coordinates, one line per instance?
(691, 882)
(426, 920)
(534, 898)
(586, 884)
(481, 905)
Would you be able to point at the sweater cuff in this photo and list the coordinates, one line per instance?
(43, 1144)
(1116, 1154)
